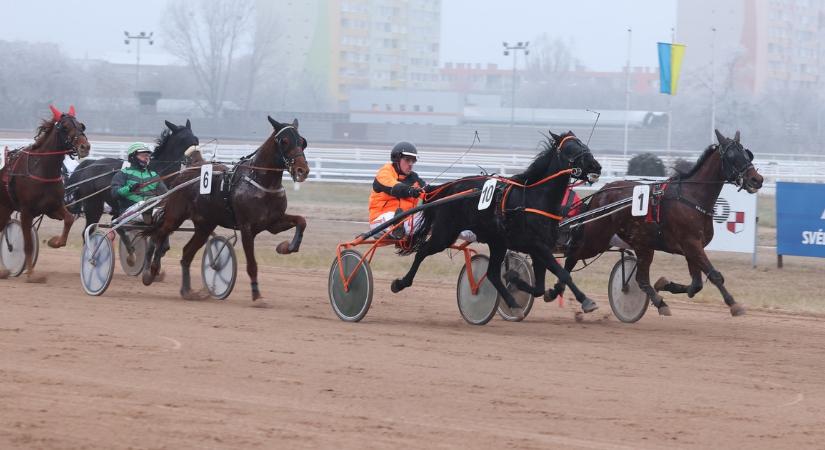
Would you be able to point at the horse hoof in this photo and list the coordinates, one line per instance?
(130, 259)
(660, 283)
(54, 242)
(283, 248)
(261, 304)
(517, 313)
(147, 278)
(4, 274)
(579, 316)
(36, 279)
(191, 295)
(550, 296)
(160, 276)
(737, 310)
(589, 305)
(664, 311)
(396, 286)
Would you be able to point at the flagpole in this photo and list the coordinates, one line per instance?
(627, 91)
(670, 100)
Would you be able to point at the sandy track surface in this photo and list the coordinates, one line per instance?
(140, 367)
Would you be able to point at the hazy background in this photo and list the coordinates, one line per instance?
(377, 71)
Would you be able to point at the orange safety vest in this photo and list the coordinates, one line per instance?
(382, 202)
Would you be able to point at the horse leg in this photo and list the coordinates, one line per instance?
(287, 222)
(5, 215)
(199, 237)
(28, 246)
(587, 304)
(248, 241)
(663, 284)
(700, 258)
(437, 242)
(68, 220)
(558, 288)
(158, 244)
(498, 250)
(538, 274)
(644, 258)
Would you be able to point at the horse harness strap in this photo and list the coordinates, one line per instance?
(278, 191)
(690, 203)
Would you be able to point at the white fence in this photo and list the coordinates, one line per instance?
(358, 165)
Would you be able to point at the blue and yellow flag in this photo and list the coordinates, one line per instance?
(670, 63)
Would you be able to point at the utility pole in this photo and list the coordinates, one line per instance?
(713, 85)
(137, 38)
(514, 49)
(627, 92)
(670, 101)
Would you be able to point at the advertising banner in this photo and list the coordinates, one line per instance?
(800, 219)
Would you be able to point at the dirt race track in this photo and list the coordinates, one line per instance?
(142, 368)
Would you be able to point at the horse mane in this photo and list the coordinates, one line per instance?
(538, 168)
(46, 127)
(704, 156)
(162, 140)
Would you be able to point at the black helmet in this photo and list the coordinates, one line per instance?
(403, 148)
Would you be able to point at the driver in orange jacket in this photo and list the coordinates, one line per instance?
(396, 188)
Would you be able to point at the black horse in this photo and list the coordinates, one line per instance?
(173, 141)
(524, 217)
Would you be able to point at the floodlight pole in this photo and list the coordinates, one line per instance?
(137, 38)
(514, 49)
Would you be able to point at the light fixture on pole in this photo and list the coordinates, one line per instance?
(514, 50)
(627, 92)
(142, 36)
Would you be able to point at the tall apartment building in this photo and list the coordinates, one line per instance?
(757, 44)
(345, 44)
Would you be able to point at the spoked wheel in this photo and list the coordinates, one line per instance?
(97, 263)
(627, 300)
(11, 247)
(219, 267)
(524, 269)
(133, 266)
(478, 308)
(352, 304)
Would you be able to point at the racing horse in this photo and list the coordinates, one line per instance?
(250, 198)
(32, 181)
(524, 217)
(679, 222)
(93, 177)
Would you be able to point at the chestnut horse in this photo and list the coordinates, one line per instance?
(249, 198)
(681, 224)
(31, 181)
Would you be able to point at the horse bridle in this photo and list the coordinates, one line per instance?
(290, 162)
(737, 175)
(69, 145)
(577, 171)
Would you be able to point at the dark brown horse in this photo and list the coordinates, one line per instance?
(682, 223)
(31, 181)
(249, 198)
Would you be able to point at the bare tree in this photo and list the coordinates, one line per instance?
(208, 35)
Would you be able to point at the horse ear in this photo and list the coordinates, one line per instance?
(71, 110)
(555, 137)
(171, 125)
(274, 123)
(736, 137)
(55, 113)
(719, 137)
(295, 123)
(188, 124)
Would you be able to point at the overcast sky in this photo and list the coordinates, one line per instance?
(472, 30)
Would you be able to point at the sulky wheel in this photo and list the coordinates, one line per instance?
(133, 266)
(219, 267)
(524, 269)
(480, 307)
(628, 302)
(11, 248)
(97, 263)
(352, 303)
